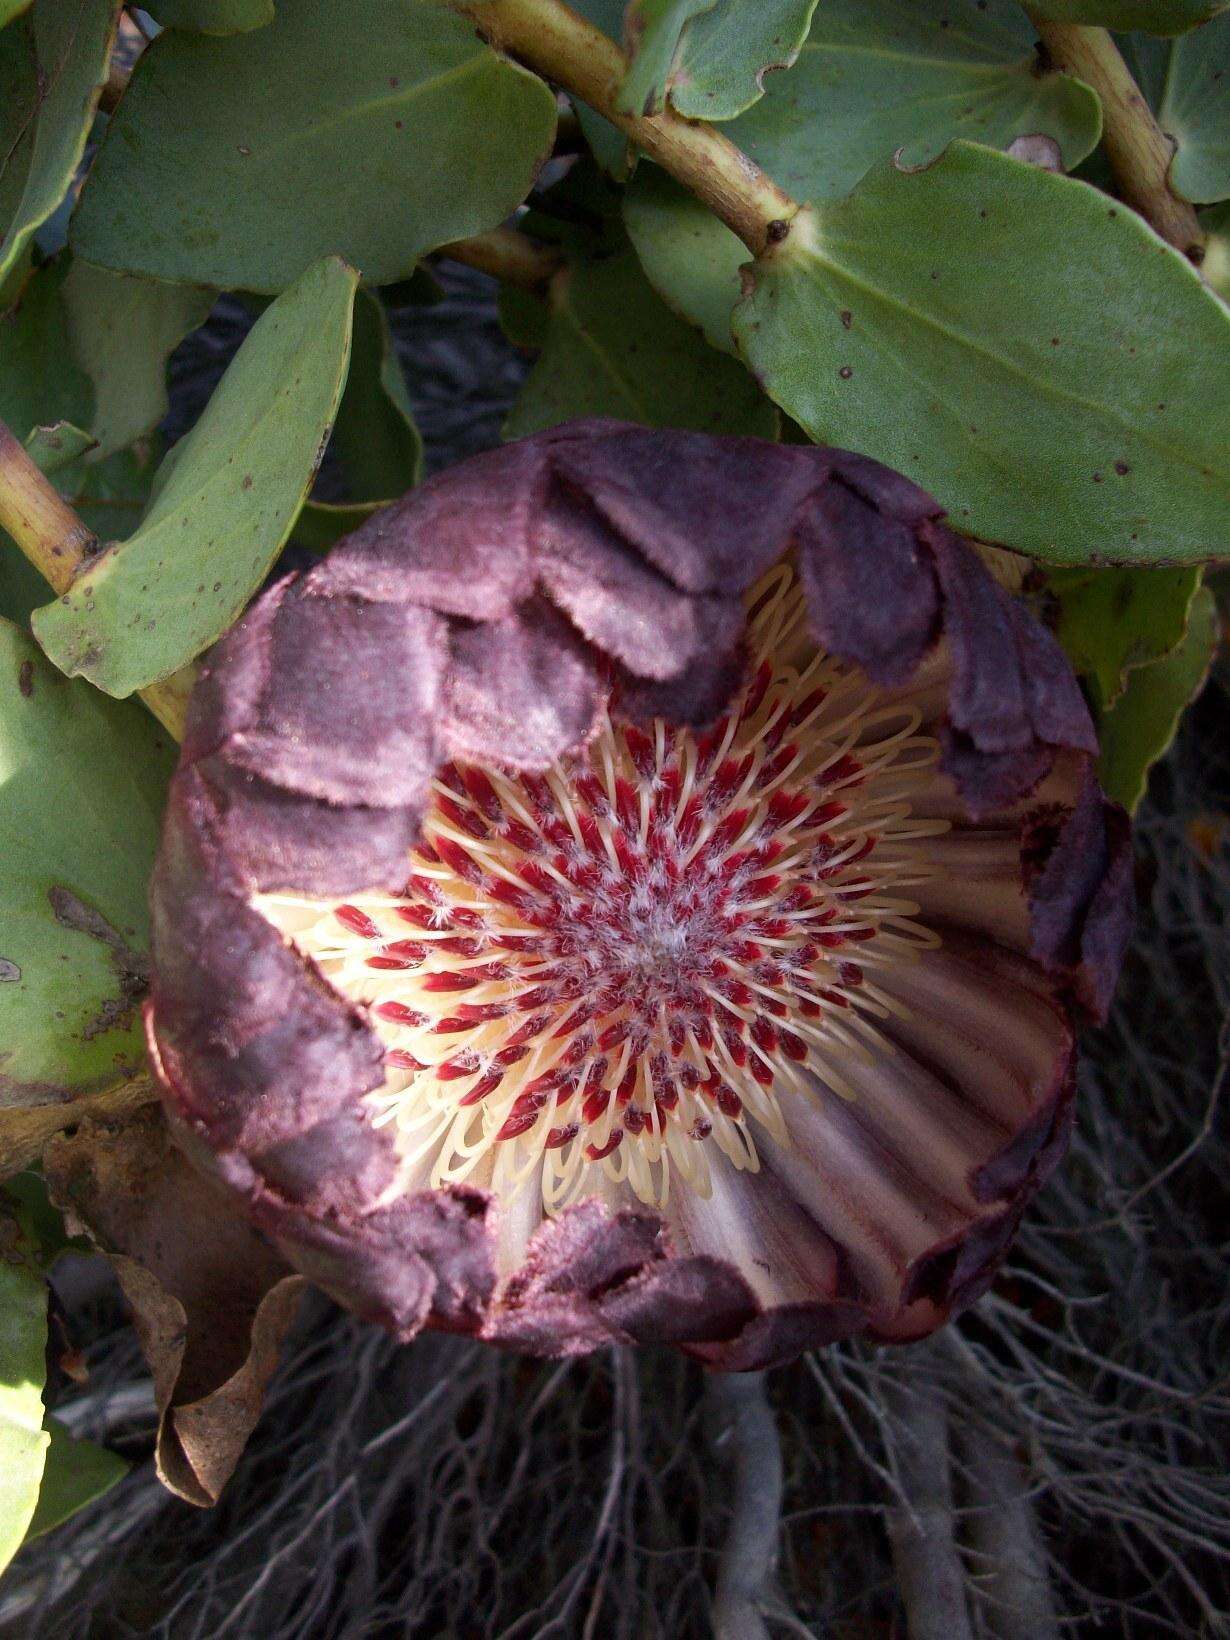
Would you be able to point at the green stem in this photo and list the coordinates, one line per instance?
(58, 543)
(1138, 149)
(549, 37)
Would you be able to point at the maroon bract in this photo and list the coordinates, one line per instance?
(637, 888)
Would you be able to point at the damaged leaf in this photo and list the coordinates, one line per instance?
(223, 500)
(872, 81)
(1035, 396)
(1112, 620)
(82, 783)
(53, 64)
(217, 168)
(869, 82)
(1140, 727)
(710, 56)
(211, 1301)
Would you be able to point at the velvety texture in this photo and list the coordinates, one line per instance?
(491, 615)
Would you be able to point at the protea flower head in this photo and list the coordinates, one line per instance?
(638, 887)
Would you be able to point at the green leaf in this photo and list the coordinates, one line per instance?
(123, 330)
(1216, 264)
(731, 53)
(53, 63)
(27, 1191)
(1187, 83)
(1157, 16)
(657, 27)
(109, 496)
(73, 920)
(23, 1341)
(692, 260)
(869, 81)
(1025, 348)
(375, 436)
(524, 316)
(223, 502)
(1113, 620)
(1141, 725)
(40, 380)
(613, 348)
(872, 80)
(323, 523)
(76, 1473)
(58, 446)
(12, 8)
(710, 56)
(379, 129)
(212, 16)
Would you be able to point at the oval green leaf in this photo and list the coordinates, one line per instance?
(1216, 266)
(375, 436)
(613, 348)
(212, 16)
(873, 81)
(41, 382)
(239, 160)
(73, 920)
(1187, 82)
(75, 1473)
(123, 329)
(53, 64)
(1156, 16)
(692, 260)
(224, 500)
(1029, 351)
(23, 1340)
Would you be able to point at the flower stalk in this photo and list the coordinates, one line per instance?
(1138, 149)
(58, 543)
(549, 37)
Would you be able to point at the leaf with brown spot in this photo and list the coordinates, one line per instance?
(80, 803)
(211, 1301)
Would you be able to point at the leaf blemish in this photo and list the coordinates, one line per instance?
(25, 679)
(131, 968)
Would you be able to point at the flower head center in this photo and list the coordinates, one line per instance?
(595, 975)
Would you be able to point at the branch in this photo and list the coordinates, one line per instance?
(747, 1434)
(922, 1529)
(1138, 149)
(513, 258)
(1010, 1558)
(549, 37)
(58, 544)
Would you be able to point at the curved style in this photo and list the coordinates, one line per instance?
(640, 886)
